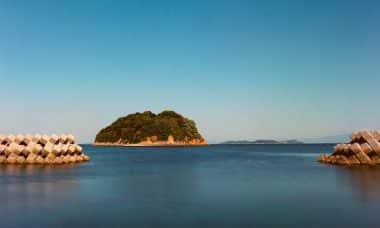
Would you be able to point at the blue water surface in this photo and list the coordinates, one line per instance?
(213, 186)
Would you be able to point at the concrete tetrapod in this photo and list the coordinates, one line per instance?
(362, 149)
(40, 149)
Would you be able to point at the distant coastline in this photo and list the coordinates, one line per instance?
(263, 141)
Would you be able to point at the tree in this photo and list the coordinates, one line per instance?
(136, 127)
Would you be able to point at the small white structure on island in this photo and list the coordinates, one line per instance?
(40, 149)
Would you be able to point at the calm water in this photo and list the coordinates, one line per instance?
(215, 186)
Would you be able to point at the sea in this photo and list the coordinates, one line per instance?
(211, 186)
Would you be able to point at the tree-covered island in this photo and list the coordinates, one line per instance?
(150, 129)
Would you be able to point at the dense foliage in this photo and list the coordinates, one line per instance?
(136, 127)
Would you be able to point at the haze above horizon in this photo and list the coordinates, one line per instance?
(240, 69)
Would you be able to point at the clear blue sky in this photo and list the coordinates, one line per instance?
(240, 69)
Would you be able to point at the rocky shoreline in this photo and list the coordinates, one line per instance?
(362, 149)
(151, 141)
(148, 145)
(153, 144)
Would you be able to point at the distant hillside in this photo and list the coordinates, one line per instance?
(292, 141)
(328, 139)
(263, 141)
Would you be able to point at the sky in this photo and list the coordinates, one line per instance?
(240, 69)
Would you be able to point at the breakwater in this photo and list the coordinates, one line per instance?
(362, 149)
(40, 149)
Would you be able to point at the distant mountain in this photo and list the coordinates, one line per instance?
(236, 142)
(328, 139)
(263, 141)
(292, 141)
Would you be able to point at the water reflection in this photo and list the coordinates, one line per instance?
(36, 184)
(363, 180)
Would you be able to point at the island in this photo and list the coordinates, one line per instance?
(167, 128)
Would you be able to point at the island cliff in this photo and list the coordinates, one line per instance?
(167, 128)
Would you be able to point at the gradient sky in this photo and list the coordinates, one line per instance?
(240, 69)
